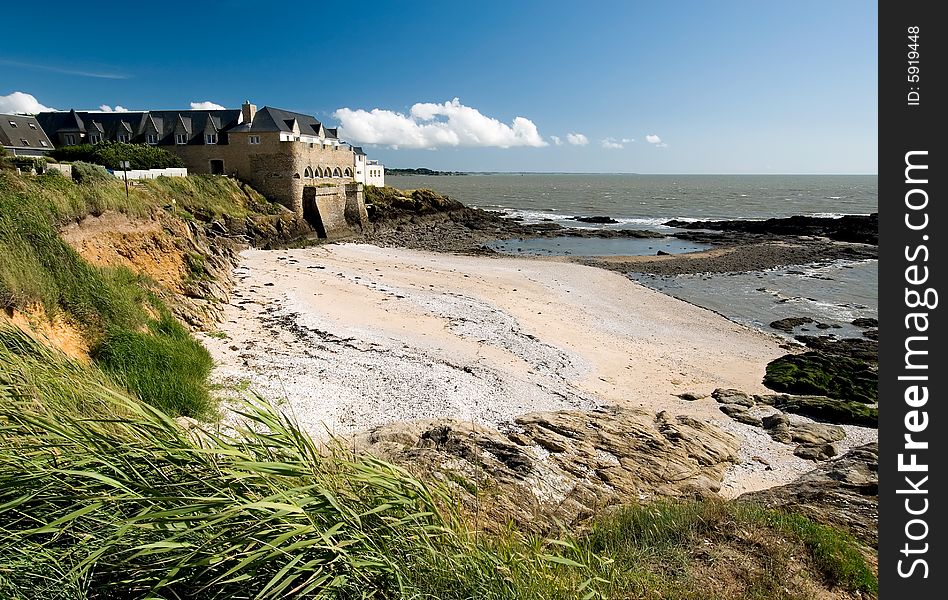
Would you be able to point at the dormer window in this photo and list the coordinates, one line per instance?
(13, 124)
(152, 138)
(25, 141)
(70, 139)
(32, 125)
(180, 139)
(123, 138)
(44, 144)
(94, 138)
(210, 138)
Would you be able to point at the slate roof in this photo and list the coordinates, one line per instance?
(270, 119)
(193, 122)
(16, 128)
(140, 124)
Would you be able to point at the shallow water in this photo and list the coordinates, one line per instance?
(595, 246)
(834, 293)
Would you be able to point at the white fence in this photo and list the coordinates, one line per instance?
(151, 173)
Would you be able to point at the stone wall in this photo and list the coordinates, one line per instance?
(334, 210)
(276, 169)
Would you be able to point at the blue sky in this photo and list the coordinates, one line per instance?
(722, 86)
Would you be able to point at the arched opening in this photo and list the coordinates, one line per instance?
(308, 173)
(348, 172)
(296, 175)
(318, 172)
(336, 172)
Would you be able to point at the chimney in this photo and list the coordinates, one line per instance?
(249, 112)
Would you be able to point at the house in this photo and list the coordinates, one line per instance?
(289, 157)
(369, 172)
(22, 135)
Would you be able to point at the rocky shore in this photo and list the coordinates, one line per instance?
(425, 220)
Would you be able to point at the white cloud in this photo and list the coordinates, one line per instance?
(577, 139)
(206, 105)
(20, 102)
(556, 140)
(612, 143)
(108, 109)
(431, 125)
(653, 139)
(627, 140)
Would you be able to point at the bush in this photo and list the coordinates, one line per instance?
(111, 155)
(83, 172)
(163, 366)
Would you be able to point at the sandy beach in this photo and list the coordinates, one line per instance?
(347, 337)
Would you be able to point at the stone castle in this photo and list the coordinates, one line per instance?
(289, 157)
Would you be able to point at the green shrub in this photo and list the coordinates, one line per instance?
(154, 358)
(164, 366)
(111, 155)
(88, 173)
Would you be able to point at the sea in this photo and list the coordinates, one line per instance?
(833, 293)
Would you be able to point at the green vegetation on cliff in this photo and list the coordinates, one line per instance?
(111, 155)
(127, 327)
(388, 202)
(102, 496)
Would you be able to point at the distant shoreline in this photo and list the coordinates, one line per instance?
(434, 173)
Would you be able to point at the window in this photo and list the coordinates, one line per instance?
(210, 138)
(123, 138)
(25, 141)
(152, 138)
(32, 125)
(13, 124)
(70, 139)
(44, 144)
(94, 138)
(254, 139)
(180, 138)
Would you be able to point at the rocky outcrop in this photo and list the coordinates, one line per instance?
(863, 229)
(790, 323)
(820, 373)
(814, 441)
(563, 465)
(596, 219)
(843, 492)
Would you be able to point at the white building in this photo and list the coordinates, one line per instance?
(368, 172)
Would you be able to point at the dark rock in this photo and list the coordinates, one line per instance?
(865, 322)
(602, 220)
(849, 228)
(827, 410)
(871, 334)
(843, 493)
(858, 348)
(790, 323)
(662, 253)
(819, 373)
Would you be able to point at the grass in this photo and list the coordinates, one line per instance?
(164, 365)
(128, 328)
(109, 498)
